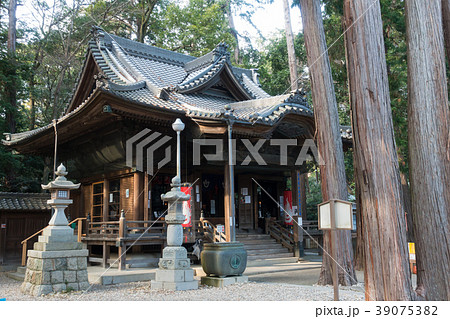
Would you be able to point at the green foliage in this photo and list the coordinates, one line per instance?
(195, 29)
(273, 63)
(19, 173)
(50, 55)
(313, 197)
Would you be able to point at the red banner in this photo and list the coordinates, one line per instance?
(187, 208)
(287, 205)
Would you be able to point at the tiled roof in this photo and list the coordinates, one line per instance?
(198, 87)
(24, 201)
(127, 62)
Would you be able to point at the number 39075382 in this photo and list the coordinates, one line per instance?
(407, 310)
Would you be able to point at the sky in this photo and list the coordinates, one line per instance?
(269, 18)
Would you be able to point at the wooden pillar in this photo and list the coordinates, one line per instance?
(105, 200)
(105, 247)
(122, 246)
(138, 208)
(296, 188)
(106, 253)
(146, 198)
(226, 201)
(196, 206)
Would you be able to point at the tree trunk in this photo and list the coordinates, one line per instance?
(290, 46)
(293, 71)
(359, 250)
(386, 266)
(11, 90)
(233, 31)
(446, 25)
(329, 142)
(428, 137)
(12, 26)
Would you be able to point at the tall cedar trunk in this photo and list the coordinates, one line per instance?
(233, 31)
(290, 46)
(329, 142)
(359, 250)
(293, 71)
(11, 90)
(429, 138)
(387, 274)
(446, 25)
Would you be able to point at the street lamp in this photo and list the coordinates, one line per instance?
(230, 119)
(178, 126)
(174, 272)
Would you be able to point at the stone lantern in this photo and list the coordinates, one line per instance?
(174, 272)
(58, 262)
(60, 197)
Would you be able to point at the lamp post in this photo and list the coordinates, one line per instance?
(335, 215)
(174, 272)
(230, 118)
(178, 126)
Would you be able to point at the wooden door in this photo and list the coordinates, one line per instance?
(245, 194)
(19, 226)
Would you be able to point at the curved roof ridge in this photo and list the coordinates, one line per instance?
(152, 51)
(202, 77)
(220, 51)
(123, 65)
(128, 87)
(256, 90)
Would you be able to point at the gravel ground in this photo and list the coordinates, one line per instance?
(251, 291)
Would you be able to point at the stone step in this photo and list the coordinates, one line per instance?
(16, 276)
(9, 267)
(107, 279)
(21, 269)
(258, 242)
(251, 236)
(263, 246)
(251, 239)
(267, 251)
(269, 256)
(261, 243)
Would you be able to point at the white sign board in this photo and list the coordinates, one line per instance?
(342, 211)
(220, 228)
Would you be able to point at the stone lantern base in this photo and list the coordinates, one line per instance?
(57, 263)
(174, 272)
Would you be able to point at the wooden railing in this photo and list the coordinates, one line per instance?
(24, 242)
(125, 233)
(281, 234)
(312, 227)
(79, 227)
(210, 232)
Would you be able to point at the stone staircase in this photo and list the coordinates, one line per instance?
(18, 275)
(262, 246)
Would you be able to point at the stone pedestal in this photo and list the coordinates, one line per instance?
(57, 263)
(222, 282)
(174, 271)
